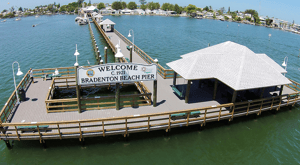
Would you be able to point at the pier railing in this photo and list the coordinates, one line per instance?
(111, 45)
(294, 86)
(11, 103)
(141, 123)
(165, 73)
(64, 71)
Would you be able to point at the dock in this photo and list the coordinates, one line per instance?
(33, 120)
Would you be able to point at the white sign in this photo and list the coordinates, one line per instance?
(116, 73)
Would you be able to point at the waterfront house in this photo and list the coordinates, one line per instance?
(139, 12)
(209, 15)
(127, 11)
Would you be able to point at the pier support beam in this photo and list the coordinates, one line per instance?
(188, 88)
(77, 91)
(174, 78)
(7, 143)
(262, 93)
(130, 53)
(117, 96)
(215, 89)
(154, 93)
(234, 96)
(105, 55)
(281, 89)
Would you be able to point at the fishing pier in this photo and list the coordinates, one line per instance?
(173, 98)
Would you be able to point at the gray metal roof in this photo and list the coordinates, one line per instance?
(107, 22)
(233, 64)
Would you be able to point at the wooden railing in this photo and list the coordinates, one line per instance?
(105, 36)
(64, 71)
(12, 100)
(165, 73)
(142, 123)
(60, 105)
(98, 102)
(294, 86)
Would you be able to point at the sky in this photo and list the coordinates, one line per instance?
(288, 10)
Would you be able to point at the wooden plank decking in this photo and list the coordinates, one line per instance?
(34, 110)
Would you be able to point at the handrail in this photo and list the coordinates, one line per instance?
(10, 102)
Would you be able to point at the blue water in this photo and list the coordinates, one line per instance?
(266, 139)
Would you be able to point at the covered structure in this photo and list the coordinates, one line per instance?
(232, 67)
(107, 25)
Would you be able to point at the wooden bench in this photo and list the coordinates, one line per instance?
(50, 76)
(32, 128)
(177, 91)
(184, 115)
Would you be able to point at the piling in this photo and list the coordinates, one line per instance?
(117, 96)
(7, 143)
(130, 53)
(105, 54)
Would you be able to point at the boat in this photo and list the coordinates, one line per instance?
(33, 25)
(82, 21)
(18, 19)
(37, 16)
(77, 18)
(4, 20)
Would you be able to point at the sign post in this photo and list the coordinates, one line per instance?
(77, 90)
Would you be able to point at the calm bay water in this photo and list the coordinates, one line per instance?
(267, 139)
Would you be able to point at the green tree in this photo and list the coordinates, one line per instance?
(254, 14)
(117, 5)
(90, 3)
(58, 5)
(132, 5)
(248, 18)
(124, 5)
(151, 5)
(239, 19)
(80, 2)
(143, 7)
(177, 9)
(143, 2)
(191, 8)
(226, 18)
(4, 11)
(157, 5)
(165, 6)
(269, 21)
(20, 9)
(101, 6)
(206, 8)
(214, 17)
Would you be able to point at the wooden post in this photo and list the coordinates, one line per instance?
(215, 89)
(234, 96)
(7, 144)
(262, 93)
(281, 89)
(154, 93)
(130, 53)
(174, 78)
(117, 96)
(188, 87)
(77, 91)
(105, 55)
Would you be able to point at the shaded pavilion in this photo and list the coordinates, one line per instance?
(233, 70)
(107, 25)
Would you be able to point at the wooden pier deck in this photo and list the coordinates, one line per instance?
(64, 125)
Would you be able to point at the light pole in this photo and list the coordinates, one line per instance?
(76, 54)
(284, 64)
(129, 35)
(19, 73)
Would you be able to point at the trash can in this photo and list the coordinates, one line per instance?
(22, 95)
